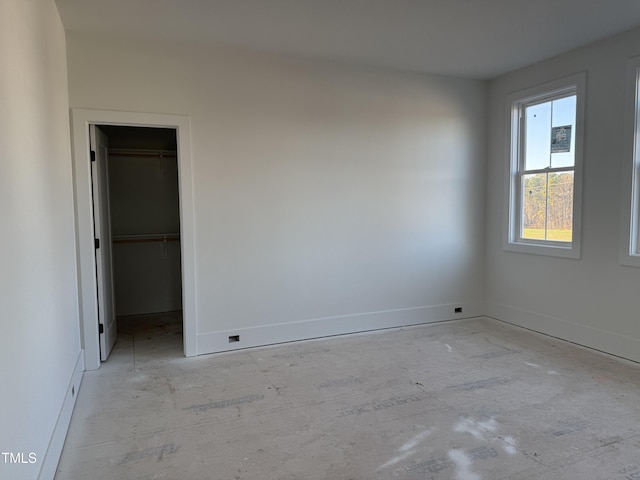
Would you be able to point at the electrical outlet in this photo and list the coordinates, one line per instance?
(458, 310)
(234, 338)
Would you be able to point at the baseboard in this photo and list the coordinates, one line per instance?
(222, 341)
(54, 450)
(587, 336)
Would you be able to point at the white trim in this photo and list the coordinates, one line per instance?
(218, 341)
(81, 119)
(512, 155)
(51, 458)
(623, 346)
(630, 209)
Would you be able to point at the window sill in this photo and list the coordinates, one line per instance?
(571, 251)
(630, 260)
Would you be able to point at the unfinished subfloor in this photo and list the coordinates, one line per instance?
(467, 400)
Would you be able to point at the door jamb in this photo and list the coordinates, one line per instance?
(81, 119)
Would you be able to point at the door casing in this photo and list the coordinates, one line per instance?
(81, 119)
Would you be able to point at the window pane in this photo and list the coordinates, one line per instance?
(560, 207)
(563, 114)
(534, 206)
(537, 137)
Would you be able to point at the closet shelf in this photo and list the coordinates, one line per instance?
(150, 237)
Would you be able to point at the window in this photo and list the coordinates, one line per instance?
(630, 238)
(545, 168)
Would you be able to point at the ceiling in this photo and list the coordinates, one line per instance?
(468, 38)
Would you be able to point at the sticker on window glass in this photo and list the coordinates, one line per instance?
(561, 139)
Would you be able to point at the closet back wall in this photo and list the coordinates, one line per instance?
(144, 201)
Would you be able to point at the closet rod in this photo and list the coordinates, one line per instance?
(155, 237)
(143, 153)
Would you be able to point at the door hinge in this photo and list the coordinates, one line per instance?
(93, 156)
(97, 242)
(101, 328)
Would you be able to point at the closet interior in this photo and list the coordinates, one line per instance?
(145, 222)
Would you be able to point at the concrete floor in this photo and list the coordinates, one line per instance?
(467, 400)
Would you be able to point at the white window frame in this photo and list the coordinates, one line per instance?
(512, 241)
(630, 230)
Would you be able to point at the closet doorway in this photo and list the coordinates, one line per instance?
(144, 210)
(141, 285)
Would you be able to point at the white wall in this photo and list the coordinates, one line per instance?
(40, 340)
(594, 300)
(321, 190)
